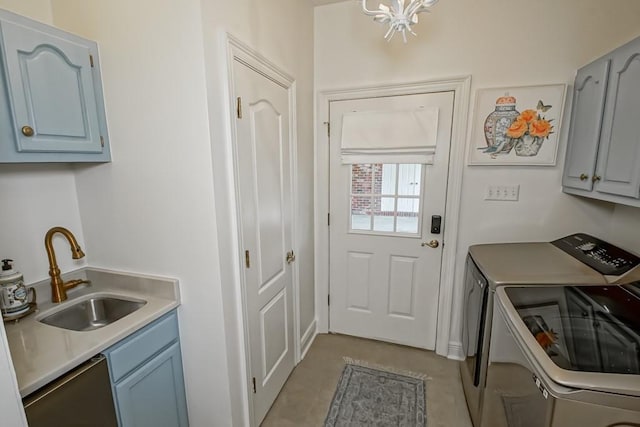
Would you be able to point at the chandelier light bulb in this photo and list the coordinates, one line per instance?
(399, 17)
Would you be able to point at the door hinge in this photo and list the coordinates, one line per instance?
(247, 259)
(328, 128)
(101, 141)
(328, 219)
(239, 107)
(253, 380)
(91, 60)
(328, 299)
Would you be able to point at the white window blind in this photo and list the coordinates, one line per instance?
(389, 136)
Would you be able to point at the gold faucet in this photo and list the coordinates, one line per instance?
(58, 286)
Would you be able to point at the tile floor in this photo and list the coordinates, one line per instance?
(305, 398)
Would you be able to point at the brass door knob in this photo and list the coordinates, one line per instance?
(584, 177)
(432, 244)
(27, 131)
(595, 178)
(290, 257)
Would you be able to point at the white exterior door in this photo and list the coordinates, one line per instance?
(384, 275)
(263, 171)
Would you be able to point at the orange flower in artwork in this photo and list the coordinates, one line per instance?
(528, 115)
(540, 128)
(546, 338)
(517, 128)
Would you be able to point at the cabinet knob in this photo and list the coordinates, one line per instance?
(595, 178)
(27, 131)
(584, 177)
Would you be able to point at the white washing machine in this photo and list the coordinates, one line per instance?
(569, 357)
(575, 259)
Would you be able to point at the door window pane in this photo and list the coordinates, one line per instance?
(389, 179)
(360, 213)
(409, 177)
(408, 215)
(384, 218)
(386, 198)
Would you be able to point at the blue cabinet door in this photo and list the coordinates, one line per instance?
(154, 395)
(50, 82)
(618, 169)
(586, 123)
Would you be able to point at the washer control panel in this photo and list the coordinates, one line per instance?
(603, 257)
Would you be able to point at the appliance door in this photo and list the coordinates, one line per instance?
(81, 398)
(514, 395)
(476, 300)
(477, 307)
(520, 392)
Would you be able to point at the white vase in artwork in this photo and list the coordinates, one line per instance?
(528, 146)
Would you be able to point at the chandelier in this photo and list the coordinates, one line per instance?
(399, 17)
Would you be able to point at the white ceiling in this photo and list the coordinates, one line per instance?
(321, 2)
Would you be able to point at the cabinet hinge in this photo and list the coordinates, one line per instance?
(328, 129)
(239, 107)
(328, 219)
(91, 60)
(247, 259)
(253, 380)
(328, 299)
(101, 141)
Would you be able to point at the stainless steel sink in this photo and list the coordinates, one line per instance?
(92, 313)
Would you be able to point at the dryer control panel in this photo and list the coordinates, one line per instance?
(603, 257)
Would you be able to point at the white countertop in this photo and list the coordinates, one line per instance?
(41, 352)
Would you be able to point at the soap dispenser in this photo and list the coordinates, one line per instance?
(14, 296)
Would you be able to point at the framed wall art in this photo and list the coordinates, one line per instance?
(517, 125)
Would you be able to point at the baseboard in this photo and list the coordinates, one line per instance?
(307, 339)
(456, 351)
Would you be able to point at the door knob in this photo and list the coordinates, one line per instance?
(290, 257)
(584, 177)
(595, 178)
(432, 244)
(27, 131)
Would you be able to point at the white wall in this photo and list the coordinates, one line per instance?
(154, 208)
(499, 43)
(38, 197)
(625, 228)
(40, 10)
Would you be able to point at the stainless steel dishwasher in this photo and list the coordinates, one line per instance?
(80, 398)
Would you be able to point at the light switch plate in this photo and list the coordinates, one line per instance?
(509, 193)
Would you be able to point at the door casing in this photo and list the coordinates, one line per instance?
(236, 317)
(461, 87)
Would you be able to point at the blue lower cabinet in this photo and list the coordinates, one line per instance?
(147, 379)
(154, 395)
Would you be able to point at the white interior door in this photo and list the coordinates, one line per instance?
(265, 210)
(384, 275)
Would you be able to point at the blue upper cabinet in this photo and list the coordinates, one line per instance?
(603, 152)
(51, 86)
